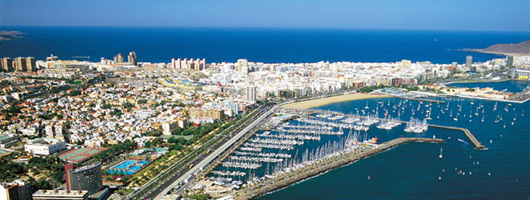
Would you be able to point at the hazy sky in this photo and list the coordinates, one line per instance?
(500, 15)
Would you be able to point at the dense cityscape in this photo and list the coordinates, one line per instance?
(78, 129)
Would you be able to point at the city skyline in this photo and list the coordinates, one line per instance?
(493, 15)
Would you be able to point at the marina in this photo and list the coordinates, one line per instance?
(309, 136)
(321, 166)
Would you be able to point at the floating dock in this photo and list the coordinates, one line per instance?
(466, 131)
(324, 165)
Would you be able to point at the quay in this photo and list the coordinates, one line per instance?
(322, 166)
(466, 131)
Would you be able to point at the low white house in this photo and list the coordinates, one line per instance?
(44, 146)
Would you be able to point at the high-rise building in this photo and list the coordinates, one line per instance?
(30, 64)
(132, 59)
(84, 178)
(242, 66)
(118, 59)
(251, 93)
(20, 64)
(16, 190)
(469, 61)
(509, 62)
(191, 64)
(405, 64)
(7, 64)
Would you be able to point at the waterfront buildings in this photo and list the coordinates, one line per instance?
(118, 59)
(20, 64)
(7, 64)
(132, 59)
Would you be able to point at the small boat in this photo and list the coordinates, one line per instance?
(368, 177)
(441, 155)
(439, 178)
(489, 173)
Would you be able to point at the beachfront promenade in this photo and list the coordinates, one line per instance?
(322, 166)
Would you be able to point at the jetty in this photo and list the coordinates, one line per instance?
(291, 177)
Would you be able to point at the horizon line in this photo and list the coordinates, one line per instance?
(267, 27)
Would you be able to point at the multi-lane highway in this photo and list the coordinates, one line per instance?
(201, 163)
(178, 173)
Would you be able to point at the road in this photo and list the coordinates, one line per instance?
(202, 161)
(177, 175)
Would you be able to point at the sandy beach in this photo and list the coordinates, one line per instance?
(329, 100)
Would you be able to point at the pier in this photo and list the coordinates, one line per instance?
(286, 179)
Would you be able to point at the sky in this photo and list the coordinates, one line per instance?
(491, 15)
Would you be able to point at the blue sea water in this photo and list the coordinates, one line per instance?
(412, 171)
(262, 45)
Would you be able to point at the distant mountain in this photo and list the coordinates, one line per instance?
(519, 48)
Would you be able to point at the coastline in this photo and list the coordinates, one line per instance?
(334, 99)
(495, 52)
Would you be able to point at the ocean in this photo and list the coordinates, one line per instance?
(412, 171)
(268, 45)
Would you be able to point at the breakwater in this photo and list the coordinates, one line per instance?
(468, 134)
(322, 166)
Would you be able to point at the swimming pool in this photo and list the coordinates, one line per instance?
(127, 167)
(125, 164)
